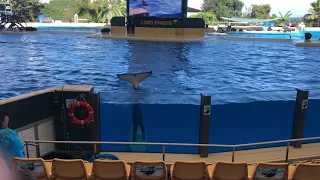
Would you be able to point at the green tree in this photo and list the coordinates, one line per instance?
(102, 10)
(208, 17)
(274, 16)
(29, 10)
(261, 11)
(223, 8)
(315, 11)
(97, 10)
(116, 8)
(237, 6)
(284, 18)
(63, 9)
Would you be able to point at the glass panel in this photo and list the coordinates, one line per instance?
(312, 123)
(251, 117)
(142, 117)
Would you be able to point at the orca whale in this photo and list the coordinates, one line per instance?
(138, 132)
(135, 78)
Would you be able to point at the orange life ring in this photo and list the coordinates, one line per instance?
(85, 105)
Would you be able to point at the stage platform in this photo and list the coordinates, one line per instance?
(312, 43)
(276, 154)
(148, 38)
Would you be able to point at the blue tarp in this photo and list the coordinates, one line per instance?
(269, 24)
(41, 16)
(10, 145)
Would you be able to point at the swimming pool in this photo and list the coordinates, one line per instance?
(35, 61)
(276, 35)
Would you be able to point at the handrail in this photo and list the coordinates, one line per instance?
(275, 142)
(130, 143)
(28, 142)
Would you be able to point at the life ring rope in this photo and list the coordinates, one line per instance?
(85, 105)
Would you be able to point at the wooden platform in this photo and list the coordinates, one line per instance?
(276, 154)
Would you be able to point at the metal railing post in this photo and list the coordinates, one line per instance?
(287, 152)
(27, 149)
(233, 153)
(163, 152)
(38, 150)
(95, 150)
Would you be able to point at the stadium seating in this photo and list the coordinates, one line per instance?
(59, 169)
(265, 171)
(110, 169)
(189, 170)
(36, 167)
(70, 169)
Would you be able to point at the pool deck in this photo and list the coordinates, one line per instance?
(275, 154)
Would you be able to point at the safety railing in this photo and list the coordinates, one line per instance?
(233, 147)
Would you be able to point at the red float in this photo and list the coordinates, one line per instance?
(85, 105)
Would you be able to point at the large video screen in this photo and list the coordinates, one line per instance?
(155, 8)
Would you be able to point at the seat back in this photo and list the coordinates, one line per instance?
(189, 170)
(271, 171)
(108, 170)
(299, 162)
(315, 161)
(142, 170)
(230, 171)
(306, 171)
(68, 169)
(34, 167)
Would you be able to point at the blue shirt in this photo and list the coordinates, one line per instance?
(10, 145)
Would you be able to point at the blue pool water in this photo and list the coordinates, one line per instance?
(167, 108)
(277, 35)
(35, 61)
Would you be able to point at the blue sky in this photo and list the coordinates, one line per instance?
(297, 7)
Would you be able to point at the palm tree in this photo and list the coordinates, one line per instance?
(315, 11)
(116, 8)
(285, 18)
(95, 9)
(102, 10)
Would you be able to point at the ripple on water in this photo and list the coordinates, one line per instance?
(33, 61)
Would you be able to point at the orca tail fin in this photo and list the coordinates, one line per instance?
(135, 78)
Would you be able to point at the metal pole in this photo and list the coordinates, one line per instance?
(95, 151)
(27, 149)
(233, 152)
(38, 150)
(164, 153)
(287, 153)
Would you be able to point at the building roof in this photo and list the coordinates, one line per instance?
(190, 9)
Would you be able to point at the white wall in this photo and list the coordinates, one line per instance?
(191, 13)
